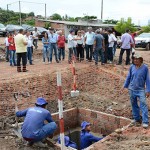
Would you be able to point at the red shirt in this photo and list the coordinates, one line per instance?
(11, 43)
(61, 41)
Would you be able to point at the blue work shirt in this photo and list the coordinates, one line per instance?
(137, 78)
(53, 38)
(45, 40)
(34, 120)
(72, 144)
(87, 139)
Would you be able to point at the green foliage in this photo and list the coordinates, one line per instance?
(110, 21)
(146, 28)
(30, 22)
(122, 25)
(56, 17)
(31, 14)
(47, 25)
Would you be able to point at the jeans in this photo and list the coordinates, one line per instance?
(12, 57)
(45, 131)
(114, 49)
(105, 53)
(70, 54)
(110, 54)
(98, 51)
(35, 41)
(53, 47)
(61, 52)
(45, 53)
(29, 54)
(143, 106)
(75, 51)
(7, 53)
(89, 49)
(127, 56)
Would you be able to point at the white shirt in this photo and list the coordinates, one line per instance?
(6, 41)
(90, 38)
(80, 41)
(111, 40)
(29, 40)
(70, 41)
(35, 34)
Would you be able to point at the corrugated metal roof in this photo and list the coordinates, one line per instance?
(79, 23)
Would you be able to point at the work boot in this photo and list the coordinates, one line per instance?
(18, 68)
(24, 69)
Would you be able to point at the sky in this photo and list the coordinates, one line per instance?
(138, 10)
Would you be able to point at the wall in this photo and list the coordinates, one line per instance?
(102, 122)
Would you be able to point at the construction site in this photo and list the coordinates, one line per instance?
(99, 102)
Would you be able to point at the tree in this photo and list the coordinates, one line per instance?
(31, 14)
(56, 17)
(146, 28)
(122, 25)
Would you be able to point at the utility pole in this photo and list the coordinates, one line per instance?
(45, 13)
(20, 12)
(102, 10)
(7, 7)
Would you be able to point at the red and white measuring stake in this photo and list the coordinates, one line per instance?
(75, 92)
(60, 105)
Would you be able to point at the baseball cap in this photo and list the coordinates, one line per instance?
(41, 101)
(71, 31)
(84, 124)
(66, 138)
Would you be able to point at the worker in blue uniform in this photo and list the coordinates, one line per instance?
(86, 138)
(34, 128)
(68, 142)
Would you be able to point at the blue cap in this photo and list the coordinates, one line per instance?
(67, 140)
(84, 124)
(41, 101)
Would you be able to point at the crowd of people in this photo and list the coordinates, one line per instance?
(90, 46)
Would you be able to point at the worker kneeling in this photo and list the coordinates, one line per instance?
(86, 138)
(34, 129)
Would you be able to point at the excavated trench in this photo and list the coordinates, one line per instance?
(99, 92)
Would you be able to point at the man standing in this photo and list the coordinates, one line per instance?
(71, 39)
(53, 38)
(111, 40)
(105, 35)
(34, 128)
(29, 47)
(136, 80)
(89, 41)
(86, 138)
(126, 41)
(36, 33)
(99, 47)
(21, 50)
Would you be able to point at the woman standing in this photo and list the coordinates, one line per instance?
(80, 49)
(45, 41)
(12, 49)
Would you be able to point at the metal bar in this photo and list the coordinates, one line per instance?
(20, 12)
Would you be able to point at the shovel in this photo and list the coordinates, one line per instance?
(17, 128)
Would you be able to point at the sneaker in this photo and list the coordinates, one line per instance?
(49, 62)
(135, 123)
(96, 63)
(57, 61)
(145, 125)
